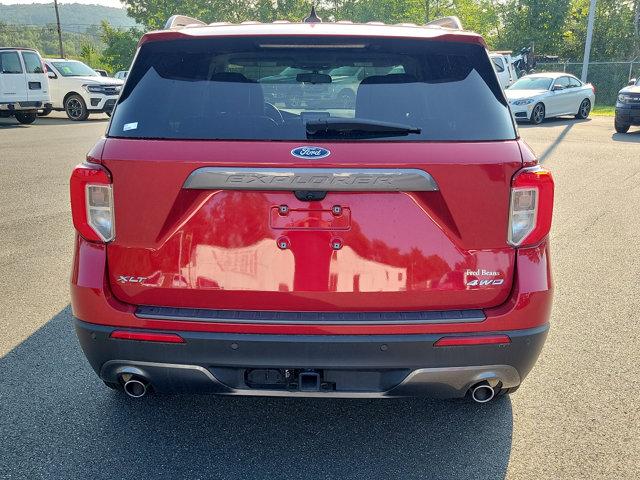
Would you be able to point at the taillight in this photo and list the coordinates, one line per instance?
(531, 206)
(92, 202)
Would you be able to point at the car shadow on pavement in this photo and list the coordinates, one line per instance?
(66, 121)
(48, 121)
(6, 123)
(554, 122)
(633, 136)
(542, 157)
(59, 421)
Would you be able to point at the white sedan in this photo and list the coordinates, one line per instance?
(545, 95)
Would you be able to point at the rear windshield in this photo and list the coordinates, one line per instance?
(74, 69)
(532, 83)
(285, 89)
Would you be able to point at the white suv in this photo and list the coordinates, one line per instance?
(23, 84)
(79, 90)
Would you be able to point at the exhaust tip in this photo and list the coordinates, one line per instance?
(135, 388)
(482, 393)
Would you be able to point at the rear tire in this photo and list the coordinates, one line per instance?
(26, 118)
(584, 109)
(621, 128)
(45, 112)
(537, 114)
(75, 108)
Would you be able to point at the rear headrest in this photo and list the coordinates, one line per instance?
(233, 93)
(230, 77)
(390, 78)
(396, 97)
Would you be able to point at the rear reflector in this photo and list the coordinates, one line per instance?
(147, 336)
(461, 341)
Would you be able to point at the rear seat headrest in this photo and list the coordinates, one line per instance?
(390, 78)
(231, 97)
(402, 101)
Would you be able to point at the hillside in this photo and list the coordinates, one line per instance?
(74, 17)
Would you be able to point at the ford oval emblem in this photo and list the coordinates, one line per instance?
(310, 152)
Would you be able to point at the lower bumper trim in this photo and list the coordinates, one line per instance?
(358, 366)
(447, 382)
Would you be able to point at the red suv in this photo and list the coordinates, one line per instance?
(394, 245)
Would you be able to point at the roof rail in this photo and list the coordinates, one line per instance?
(451, 22)
(179, 21)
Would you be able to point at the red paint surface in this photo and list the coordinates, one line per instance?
(218, 250)
(528, 305)
(400, 251)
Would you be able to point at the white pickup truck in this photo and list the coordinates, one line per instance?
(23, 85)
(503, 65)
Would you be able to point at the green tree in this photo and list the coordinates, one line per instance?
(89, 54)
(120, 46)
(614, 35)
(532, 22)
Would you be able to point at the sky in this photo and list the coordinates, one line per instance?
(106, 3)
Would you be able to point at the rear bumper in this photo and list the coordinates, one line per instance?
(21, 106)
(348, 365)
(97, 103)
(521, 112)
(396, 358)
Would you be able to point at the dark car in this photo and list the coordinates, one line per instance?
(231, 245)
(628, 106)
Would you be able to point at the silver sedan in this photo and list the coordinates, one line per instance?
(545, 95)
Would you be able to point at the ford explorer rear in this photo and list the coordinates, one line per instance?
(256, 222)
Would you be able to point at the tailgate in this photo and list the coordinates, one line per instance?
(200, 244)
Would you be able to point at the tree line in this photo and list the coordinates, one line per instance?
(552, 27)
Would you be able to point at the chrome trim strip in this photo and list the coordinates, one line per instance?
(317, 179)
(311, 318)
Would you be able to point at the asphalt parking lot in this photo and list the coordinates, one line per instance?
(576, 417)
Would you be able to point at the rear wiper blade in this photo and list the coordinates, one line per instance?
(357, 128)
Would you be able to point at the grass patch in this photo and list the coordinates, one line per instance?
(603, 111)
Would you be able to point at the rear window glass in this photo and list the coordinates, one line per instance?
(74, 69)
(497, 63)
(532, 83)
(339, 89)
(32, 62)
(10, 62)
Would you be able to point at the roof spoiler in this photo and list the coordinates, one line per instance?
(451, 22)
(179, 21)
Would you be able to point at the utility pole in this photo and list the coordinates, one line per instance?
(587, 43)
(55, 5)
